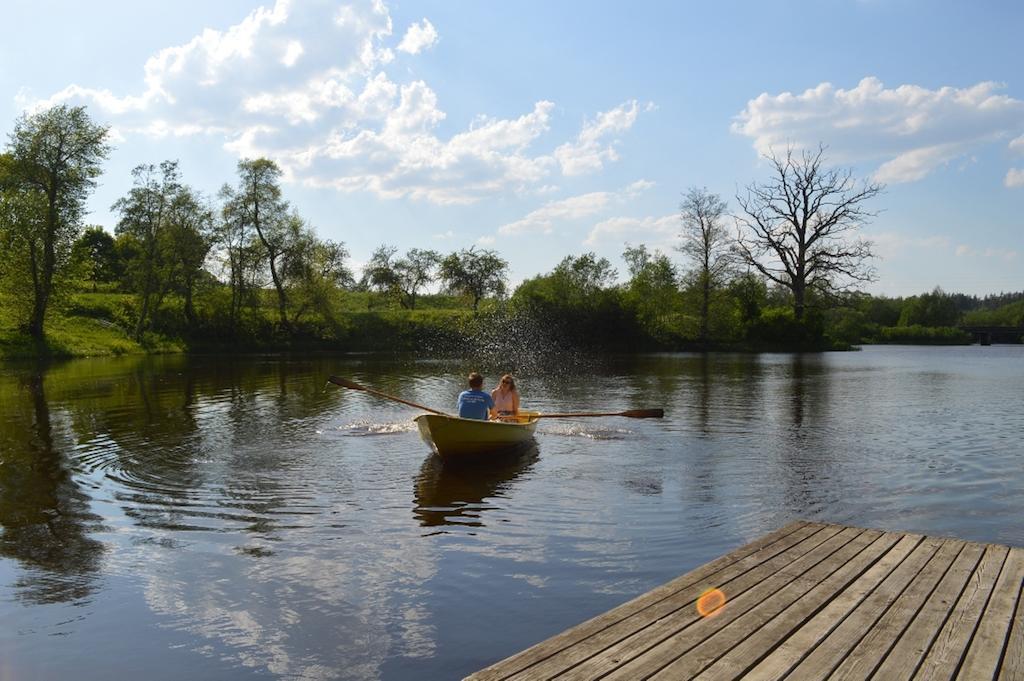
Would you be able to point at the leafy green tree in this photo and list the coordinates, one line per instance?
(653, 290)
(474, 274)
(187, 241)
(577, 303)
(316, 271)
(706, 243)
(417, 269)
(379, 272)
(750, 293)
(930, 309)
(144, 216)
(95, 251)
(53, 160)
(257, 204)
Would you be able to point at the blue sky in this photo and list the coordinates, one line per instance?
(542, 129)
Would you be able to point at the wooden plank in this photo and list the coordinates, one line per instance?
(754, 636)
(632, 637)
(1012, 668)
(672, 637)
(835, 629)
(873, 646)
(943, 658)
(809, 601)
(905, 657)
(760, 549)
(989, 642)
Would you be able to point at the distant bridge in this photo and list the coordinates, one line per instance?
(987, 335)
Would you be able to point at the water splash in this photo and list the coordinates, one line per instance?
(370, 428)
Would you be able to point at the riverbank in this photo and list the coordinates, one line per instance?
(89, 324)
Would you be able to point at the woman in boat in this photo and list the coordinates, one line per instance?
(506, 399)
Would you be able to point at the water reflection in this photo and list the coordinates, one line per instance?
(457, 495)
(44, 512)
(254, 523)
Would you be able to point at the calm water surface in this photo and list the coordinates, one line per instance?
(227, 518)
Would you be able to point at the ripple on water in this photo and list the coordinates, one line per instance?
(590, 432)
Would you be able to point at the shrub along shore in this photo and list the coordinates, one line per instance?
(101, 323)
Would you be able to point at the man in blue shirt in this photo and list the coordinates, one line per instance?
(475, 403)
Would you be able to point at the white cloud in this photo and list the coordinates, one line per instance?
(892, 244)
(647, 229)
(418, 37)
(963, 250)
(544, 219)
(307, 85)
(589, 151)
(912, 130)
(444, 236)
(292, 52)
(486, 240)
(1014, 177)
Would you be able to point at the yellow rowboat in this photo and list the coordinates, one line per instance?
(456, 439)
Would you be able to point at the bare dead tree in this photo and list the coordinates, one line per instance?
(706, 242)
(799, 228)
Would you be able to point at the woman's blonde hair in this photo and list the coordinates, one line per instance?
(511, 382)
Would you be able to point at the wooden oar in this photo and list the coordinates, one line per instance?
(352, 385)
(630, 414)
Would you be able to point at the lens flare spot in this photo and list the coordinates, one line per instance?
(710, 602)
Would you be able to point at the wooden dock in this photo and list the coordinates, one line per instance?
(808, 601)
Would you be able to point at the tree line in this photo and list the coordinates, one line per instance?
(782, 270)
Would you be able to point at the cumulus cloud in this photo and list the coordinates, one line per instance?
(1017, 145)
(544, 219)
(590, 150)
(911, 130)
(1014, 177)
(418, 37)
(307, 84)
(645, 229)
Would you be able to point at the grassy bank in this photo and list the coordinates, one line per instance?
(103, 323)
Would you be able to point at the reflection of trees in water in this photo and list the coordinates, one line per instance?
(806, 452)
(43, 511)
(454, 495)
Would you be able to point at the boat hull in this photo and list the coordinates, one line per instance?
(458, 439)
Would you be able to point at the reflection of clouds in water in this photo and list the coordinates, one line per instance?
(271, 613)
(294, 570)
(536, 581)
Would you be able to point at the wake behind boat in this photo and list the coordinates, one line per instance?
(458, 439)
(455, 438)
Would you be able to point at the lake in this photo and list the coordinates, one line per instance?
(215, 517)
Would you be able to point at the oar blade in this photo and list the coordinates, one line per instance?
(644, 413)
(345, 383)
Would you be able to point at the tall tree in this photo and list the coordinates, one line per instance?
(55, 158)
(188, 239)
(653, 288)
(257, 203)
(315, 270)
(474, 274)
(379, 272)
(706, 242)
(417, 269)
(798, 228)
(144, 212)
